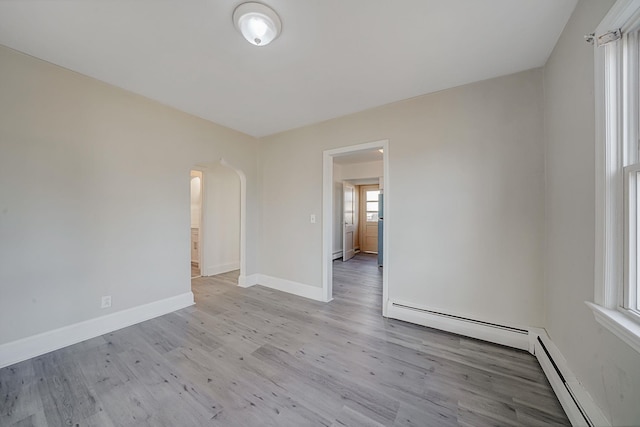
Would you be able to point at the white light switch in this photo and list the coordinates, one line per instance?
(312, 218)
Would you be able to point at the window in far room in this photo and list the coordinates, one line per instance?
(372, 205)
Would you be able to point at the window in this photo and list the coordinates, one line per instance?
(617, 289)
(631, 167)
(372, 205)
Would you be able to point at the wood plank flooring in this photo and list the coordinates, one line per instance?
(195, 270)
(259, 357)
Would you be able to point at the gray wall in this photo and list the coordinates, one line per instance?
(608, 368)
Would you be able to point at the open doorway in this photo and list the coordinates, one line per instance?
(218, 192)
(196, 222)
(370, 220)
(357, 223)
(354, 179)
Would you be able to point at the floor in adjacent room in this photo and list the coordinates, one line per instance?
(260, 357)
(195, 270)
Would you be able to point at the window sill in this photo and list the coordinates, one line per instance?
(619, 324)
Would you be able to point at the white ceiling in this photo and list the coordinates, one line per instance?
(334, 57)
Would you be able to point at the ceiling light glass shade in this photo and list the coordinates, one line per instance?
(258, 23)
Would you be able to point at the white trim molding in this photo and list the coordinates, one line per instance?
(295, 288)
(515, 337)
(337, 255)
(36, 345)
(576, 402)
(284, 285)
(248, 281)
(609, 214)
(617, 323)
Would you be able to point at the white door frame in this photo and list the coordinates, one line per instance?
(327, 216)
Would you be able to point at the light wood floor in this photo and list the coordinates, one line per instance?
(195, 270)
(259, 357)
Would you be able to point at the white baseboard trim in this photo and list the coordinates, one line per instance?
(296, 288)
(212, 270)
(336, 255)
(248, 281)
(499, 334)
(284, 285)
(36, 345)
(574, 398)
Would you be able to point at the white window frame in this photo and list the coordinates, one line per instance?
(617, 159)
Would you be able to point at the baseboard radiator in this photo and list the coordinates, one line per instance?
(576, 402)
(493, 332)
(464, 319)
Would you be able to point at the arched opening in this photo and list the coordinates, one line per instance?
(223, 224)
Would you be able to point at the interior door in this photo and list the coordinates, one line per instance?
(369, 211)
(349, 221)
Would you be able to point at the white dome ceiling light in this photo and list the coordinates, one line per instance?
(258, 23)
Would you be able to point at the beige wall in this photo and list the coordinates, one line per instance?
(95, 201)
(466, 187)
(95, 196)
(608, 368)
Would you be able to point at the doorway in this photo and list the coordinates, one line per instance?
(196, 222)
(333, 208)
(360, 221)
(369, 218)
(218, 220)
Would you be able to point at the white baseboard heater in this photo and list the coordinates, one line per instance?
(464, 319)
(493, 332)
(576, 402)
(559, 379)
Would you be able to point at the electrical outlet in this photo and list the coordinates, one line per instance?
(312, 218)
(106, 302)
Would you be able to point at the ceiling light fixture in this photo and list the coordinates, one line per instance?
(258, 23)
